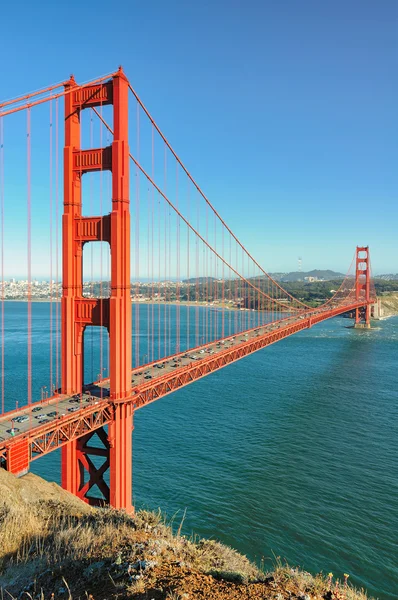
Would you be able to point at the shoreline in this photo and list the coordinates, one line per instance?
(391, 311)
(198, 304)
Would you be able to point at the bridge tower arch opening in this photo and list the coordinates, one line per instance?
(96, 285)
(79, 312)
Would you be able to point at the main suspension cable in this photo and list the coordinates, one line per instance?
(205, 197)
(207, 244)
(29, 104)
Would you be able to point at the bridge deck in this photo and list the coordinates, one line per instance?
(53, 422)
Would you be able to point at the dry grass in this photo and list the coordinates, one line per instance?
(318, 585)
(223, 562)
(49, 542)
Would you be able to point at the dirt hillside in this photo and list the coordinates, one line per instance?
(53, 546)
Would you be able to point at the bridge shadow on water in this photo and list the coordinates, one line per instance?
(323, 455)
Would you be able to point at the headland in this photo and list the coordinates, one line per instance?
(55, 546)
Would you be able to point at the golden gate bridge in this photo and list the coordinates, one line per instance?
(182, 248)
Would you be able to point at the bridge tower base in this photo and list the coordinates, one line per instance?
(80, 471)
(104, 465)
(362, 326)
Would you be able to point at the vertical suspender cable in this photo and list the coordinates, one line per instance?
(159, 266)
(57, 311)
(137, 243)
(207, 279)
(244, 292)
(211, 288)
(223, 288)
(29, 257)
(215, 286)
(148, 268)
(258, 283)
(51, 247)
(178, 268)
(153, 248)
(169, 266)
(259, 309)
(166, 208)
(188, 276)
(236, 290)
(197, 282)
(92, 374)
(101, 264)
(81, 249)
(108, 253)
(230, 287)
(153, 274)
(249, 293)
(271, 301)
(2, 257)
(249, 314)
(274, 307)
(165, 260)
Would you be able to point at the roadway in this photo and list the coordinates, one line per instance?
(61, 408)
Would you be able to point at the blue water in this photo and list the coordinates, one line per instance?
(290, 452)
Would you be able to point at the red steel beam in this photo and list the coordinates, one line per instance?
(161, 386)
(50, 436)
(89, 96)
(78, 312)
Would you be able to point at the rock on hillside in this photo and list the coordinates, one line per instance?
(53, 546)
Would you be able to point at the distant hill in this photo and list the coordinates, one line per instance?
(320, 274)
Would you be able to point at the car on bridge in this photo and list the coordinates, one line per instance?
(21, 419)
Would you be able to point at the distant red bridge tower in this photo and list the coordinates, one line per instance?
(362, 286)
(79, 474)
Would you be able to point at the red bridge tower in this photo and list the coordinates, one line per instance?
(79, 474)
(362, 286)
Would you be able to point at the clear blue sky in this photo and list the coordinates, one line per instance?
(285, 112)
